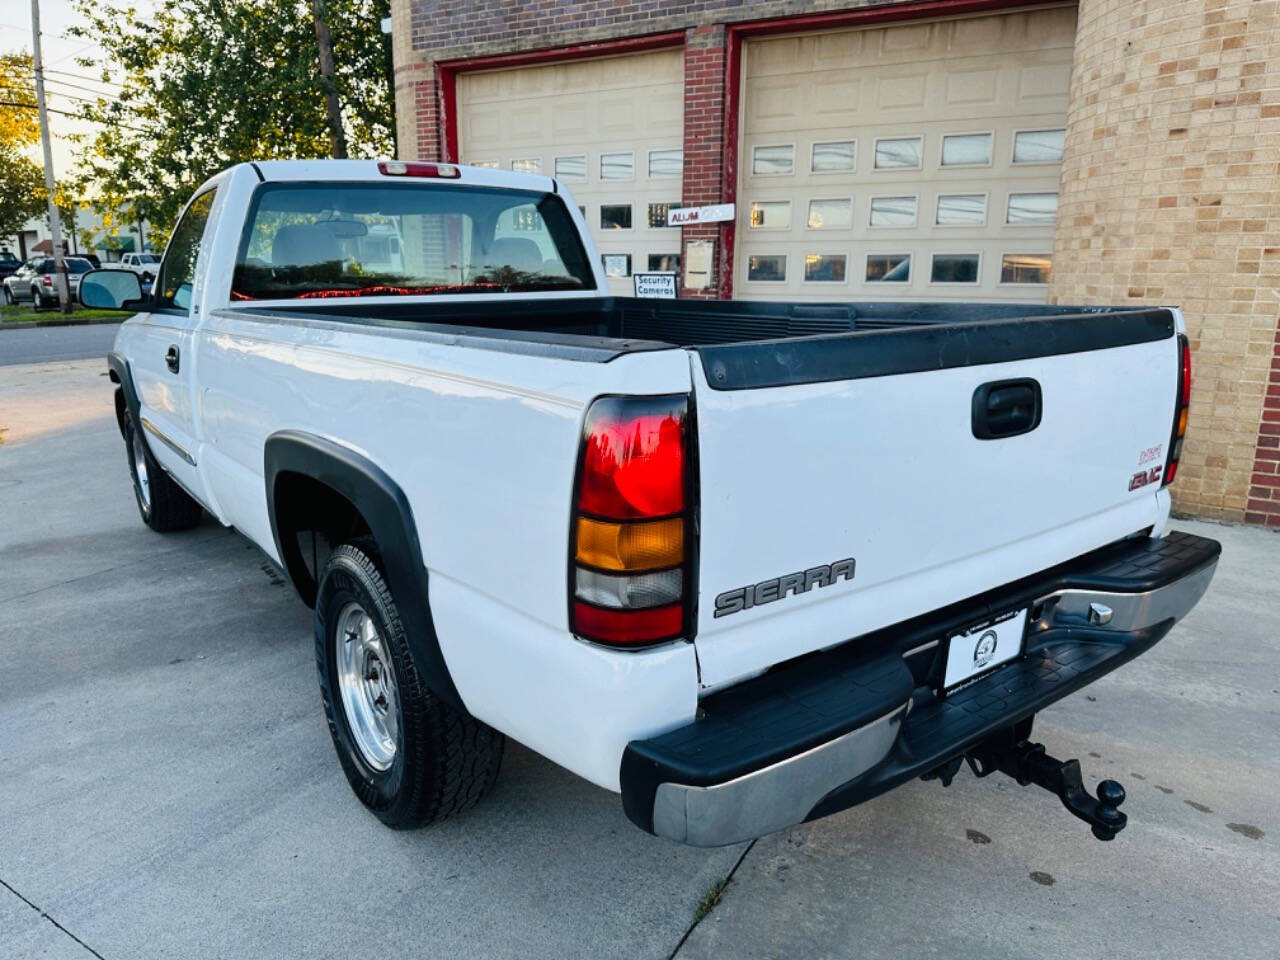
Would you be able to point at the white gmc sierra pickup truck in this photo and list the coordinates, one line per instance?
(747, 564)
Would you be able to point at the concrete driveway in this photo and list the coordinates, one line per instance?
(168, 788)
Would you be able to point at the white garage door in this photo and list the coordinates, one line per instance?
(612, 130)
(918, 161)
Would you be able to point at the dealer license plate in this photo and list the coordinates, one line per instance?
(983, 647)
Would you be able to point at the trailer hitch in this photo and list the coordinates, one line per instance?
(1028, 763)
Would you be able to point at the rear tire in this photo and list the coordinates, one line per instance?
(411, 758)
(37, 299)
(8, 296)
(164, 506)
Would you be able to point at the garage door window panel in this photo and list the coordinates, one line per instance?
(617, 166)
(961, 210)
(1032, 147)
(899, 153)
(1032, 209)
(1025, 269)
(615, 216)
(835, 213)
(664, 262)
(658, 214)
(572, 168)
(825, 267)
(617, 266)
(767, 268)
(893, 212)
(833, 156)
(527, 165)
(950, 268)
(776, 160)
(770, 215)
(666, 163)
(888, 268)
(486, 164)
(966, 149)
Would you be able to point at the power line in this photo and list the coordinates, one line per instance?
(81, 76)
(105, 95)
(75, 116)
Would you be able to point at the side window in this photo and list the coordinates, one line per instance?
(178, 271)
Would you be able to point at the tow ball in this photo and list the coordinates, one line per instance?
(1028, 763)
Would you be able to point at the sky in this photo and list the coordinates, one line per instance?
(65, 78)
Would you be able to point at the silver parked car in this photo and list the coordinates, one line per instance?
(35, 281)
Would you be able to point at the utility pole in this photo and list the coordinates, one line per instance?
(337, 138)
(55, 219)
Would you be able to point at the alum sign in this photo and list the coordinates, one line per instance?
(715, 213)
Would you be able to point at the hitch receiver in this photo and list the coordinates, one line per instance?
(1028, 763)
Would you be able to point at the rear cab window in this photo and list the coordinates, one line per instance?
(311, 240)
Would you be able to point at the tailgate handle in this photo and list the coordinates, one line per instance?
(1006, 408)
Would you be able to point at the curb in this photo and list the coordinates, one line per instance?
(28, 324)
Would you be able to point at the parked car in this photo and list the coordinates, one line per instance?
(35, 281)
(9, 264)
(747, 564)
(144, 265)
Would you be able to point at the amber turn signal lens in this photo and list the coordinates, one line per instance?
(1182, 422)
(646, 545)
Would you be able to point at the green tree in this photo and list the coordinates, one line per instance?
(210, 83)
(22, 193)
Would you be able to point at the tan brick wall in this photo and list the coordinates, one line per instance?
(1171, 195)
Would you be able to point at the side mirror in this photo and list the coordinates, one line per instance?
(110, 289)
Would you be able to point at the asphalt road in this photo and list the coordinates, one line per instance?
(45, 344)
(168, 788)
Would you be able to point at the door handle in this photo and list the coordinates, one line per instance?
(1006, 408)
(171, 359)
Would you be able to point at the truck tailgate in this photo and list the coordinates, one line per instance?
(865, 447)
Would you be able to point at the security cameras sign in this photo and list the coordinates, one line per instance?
(715, 213)
(655, 286)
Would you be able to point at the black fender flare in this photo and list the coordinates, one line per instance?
(386, 510)
(121, 374)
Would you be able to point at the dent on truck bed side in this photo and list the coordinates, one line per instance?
(384, 507)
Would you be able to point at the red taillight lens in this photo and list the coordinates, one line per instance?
(634, 465)
(1181, 411)
(630, 541)
(400, 168)
(48, 280)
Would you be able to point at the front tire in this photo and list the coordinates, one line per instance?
(164, 506)
(410, 758)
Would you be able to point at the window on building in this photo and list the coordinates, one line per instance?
(893, 212)
(617, 166)
(664, 262)
(1025, 268)
(1038, 146)
(833, 157)
(1032, 208)
(616, 265)
(767, 268)
(528, 165)
(954, 268)
(485, 164)
(615, 216)
(773, 160)
(899, 153)
(770, 215)
(966, 149)
(658, 213)
(955, 209)
(572, 168)
(825, 267)
(833, 214)
(666, 163)
(888, 268)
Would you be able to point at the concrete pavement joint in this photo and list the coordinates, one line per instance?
(97, 573)
(698, 919)
(46, 916)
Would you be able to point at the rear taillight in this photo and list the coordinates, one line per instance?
(399, 168)
(1180, 411)
(47, 280)
(630, 544)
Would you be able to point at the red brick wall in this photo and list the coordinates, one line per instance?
(704, 81)
(1264, 485)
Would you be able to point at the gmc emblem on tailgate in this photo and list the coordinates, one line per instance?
(767, 591)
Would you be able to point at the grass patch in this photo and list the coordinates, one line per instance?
(710, 899)
(20, 313)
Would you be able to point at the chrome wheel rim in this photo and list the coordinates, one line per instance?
(367, 684)
(141, 479)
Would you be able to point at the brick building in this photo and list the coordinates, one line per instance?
(1110, 151)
